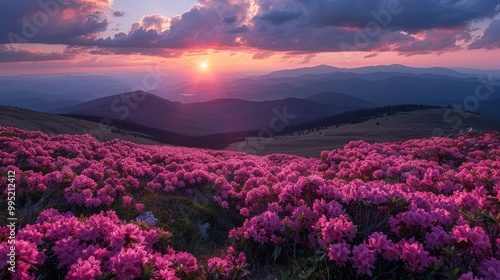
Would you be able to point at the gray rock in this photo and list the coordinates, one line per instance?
(203, 230)
(148, 218)
(473, 142)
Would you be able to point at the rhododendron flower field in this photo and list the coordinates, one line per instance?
(420, 209)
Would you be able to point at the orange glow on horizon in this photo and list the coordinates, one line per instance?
(230, 62)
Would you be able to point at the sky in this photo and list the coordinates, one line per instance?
(244, 36)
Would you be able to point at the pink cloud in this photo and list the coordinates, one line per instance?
(158, 23)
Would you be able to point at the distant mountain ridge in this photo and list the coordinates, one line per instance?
(325, 69)
(211, 117)
(378, 85)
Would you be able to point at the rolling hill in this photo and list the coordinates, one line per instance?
(398, 127)
(54, 124)
(211, 117)
(340, 99)
(39, 104)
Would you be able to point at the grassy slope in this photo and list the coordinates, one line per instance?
(54, 124)
(402, 126)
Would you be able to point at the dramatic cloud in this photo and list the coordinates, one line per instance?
(490, 39)
(408, 27)
(52, 21)
(406, 15)
(433, 41)
(263, 26)
(204, 26)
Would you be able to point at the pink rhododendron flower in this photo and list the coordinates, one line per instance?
(475, 238)
(490, 269)
(414, 255)
(126, 200)
(85, 269)
(339, 253)
(139, 207)
(363, 259)
(127, 264)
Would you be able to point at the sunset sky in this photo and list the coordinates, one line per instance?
(50, 36)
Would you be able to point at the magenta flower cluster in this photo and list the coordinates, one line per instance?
(88, 248)
(232, 266)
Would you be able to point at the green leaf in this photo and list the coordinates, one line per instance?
(456, 271)
(276, 253)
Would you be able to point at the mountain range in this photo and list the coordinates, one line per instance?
(240, 104)
(215, 116)
(437, 86)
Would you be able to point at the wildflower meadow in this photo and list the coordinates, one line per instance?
(420, 209)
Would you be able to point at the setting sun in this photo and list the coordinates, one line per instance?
(204, 65)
